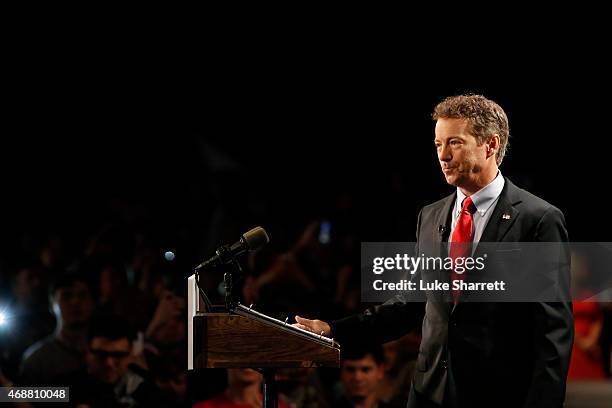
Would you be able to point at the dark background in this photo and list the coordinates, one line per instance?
(192, 148)
(293, 136)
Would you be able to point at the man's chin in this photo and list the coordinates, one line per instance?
(357, 398)
(452, 180)
(110, 379)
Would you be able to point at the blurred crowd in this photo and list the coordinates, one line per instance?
(108, 322)
(104, 312)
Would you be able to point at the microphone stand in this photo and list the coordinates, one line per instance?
(270, 389)
(224, 253)
(228, 281)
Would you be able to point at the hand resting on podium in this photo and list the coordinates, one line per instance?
(315, 326)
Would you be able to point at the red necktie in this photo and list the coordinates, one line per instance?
(462, 235)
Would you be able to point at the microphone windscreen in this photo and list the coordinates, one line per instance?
(256, 238)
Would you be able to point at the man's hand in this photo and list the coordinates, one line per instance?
(315, 326)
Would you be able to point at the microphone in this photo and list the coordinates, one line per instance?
(251, 240)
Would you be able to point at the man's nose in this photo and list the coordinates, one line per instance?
(110, 361)
(444, 154)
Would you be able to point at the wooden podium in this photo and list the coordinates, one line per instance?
(227, 340)
(245, 338)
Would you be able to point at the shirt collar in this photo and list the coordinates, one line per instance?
(484, 198)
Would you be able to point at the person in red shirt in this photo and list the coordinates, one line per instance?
(243, 391)
(587, 359)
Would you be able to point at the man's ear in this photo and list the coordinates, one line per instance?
(492, 145)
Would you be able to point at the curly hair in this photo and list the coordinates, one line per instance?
(485, 118)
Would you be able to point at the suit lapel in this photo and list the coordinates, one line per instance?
(441, 234)
(504, 215)
(444, 219)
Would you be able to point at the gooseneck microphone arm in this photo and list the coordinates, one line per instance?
(251, 240)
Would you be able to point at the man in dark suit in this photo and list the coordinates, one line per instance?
(490, 354)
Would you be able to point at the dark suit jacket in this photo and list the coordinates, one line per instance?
(501, 354)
